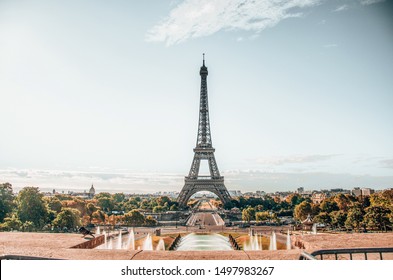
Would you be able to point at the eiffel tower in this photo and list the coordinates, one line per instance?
(203, 151)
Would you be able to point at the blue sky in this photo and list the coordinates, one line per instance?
(300, 92)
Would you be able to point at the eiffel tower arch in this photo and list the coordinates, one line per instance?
(204, 150)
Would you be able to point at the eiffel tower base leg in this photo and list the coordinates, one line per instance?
(193, 186)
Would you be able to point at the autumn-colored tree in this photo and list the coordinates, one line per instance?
(302, 210)
(134, 218)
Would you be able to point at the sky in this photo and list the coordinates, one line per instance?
(107, 92)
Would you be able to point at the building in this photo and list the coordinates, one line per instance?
(317, 198)
(92, 191)
(362, 192)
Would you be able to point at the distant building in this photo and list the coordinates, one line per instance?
(362, 192)
(92, 191)
(317, 198)
(235, 193)
(260, 193)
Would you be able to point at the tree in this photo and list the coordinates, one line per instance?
(106, 203)
(262, 216)
(90, 209)
(294, 199)
(31, 206)
(377, 217)
(68, 218)
(328, 206)
(355, 217)
(302, 210)
(323, 218)
(344, 201)
(134, 218)
(6, 200)
(150, 221)
(338, 218)
(53, 203)
(119, 197)
(248, 214)
(12, 223)
(98, 216)
(159, 209)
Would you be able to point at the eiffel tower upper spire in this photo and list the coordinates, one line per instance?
(204, 136)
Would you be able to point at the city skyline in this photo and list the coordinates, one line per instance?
(108, 93)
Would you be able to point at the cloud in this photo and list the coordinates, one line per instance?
(370, 2)
(328, 46)
(341, 8)
(387, 163)
(198, 18)
(251, 180)
(293, 159)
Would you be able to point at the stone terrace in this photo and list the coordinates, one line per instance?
(51, 245)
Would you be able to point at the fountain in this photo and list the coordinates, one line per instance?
(119, 241)
(288, 241)
(254, 243)
(98, 230)
(273, 242)
(131, 240)
(314, 229)
(161, 245)
(148, 243)
(110, 244)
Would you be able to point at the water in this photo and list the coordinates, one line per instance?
(255, 243)
(118, 242)
(148, 243)
(289, 246)
(204, 242)
(314, 229)
(161, 245)
(273, 242)
(131, 240)
(98, 230)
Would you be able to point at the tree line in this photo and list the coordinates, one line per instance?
(30, 210)
(341, 211)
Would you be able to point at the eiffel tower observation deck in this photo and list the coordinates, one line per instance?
(203, 151)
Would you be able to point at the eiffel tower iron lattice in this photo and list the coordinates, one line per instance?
(203, 151)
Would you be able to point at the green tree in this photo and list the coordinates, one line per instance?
(119, 197)
(134, 218)
(6, 200)
(68, 218)
(355, 217)
(53, 203)
(323, 218)
(31, 207)
(338, 218)
(328, 206)
(377, 217)
(12, 223)
(106, 203)
(302, 210)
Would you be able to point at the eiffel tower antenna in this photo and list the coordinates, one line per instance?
(203, 151)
